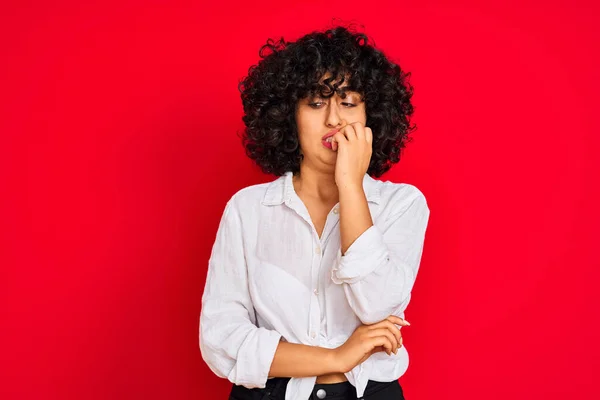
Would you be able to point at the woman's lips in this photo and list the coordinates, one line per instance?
(330, 133)
(328, 139)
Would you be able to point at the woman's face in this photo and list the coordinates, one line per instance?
(316, 117)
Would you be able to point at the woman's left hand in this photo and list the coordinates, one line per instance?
(354, 146)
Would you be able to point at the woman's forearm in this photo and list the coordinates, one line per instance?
(355, 217)
(298, 361)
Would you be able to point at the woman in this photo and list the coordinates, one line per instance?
(311, 273)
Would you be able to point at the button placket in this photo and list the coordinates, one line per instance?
(315, 317)
(296, 204)
(314, 301)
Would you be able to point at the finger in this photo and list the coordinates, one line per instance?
(386, 332)
(393, 319)
(398, 321)
(395, 331)
(359, 129)
(342, 126)
(339, 139)
(368, 135)
(349, 132)
(382, 341)
(385, 324)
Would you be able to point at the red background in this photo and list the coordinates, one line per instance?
(119, 151)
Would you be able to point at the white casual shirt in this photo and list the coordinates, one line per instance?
(271, 278)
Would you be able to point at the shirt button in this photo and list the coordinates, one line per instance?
(318, 250)
(316, 291)
(336, 210)
(313, 335)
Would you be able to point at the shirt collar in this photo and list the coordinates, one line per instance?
(281, 189)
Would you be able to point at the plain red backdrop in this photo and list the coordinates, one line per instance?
(119, 151)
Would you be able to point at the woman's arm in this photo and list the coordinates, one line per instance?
(298, 360)
(230, 342)
(378, 265)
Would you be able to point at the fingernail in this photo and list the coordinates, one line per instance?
(407, 323)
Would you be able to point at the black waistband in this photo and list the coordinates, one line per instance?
(278, 385)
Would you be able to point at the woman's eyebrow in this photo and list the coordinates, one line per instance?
(340, 91)
(346, 91)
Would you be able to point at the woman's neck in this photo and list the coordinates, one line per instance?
(316, 184)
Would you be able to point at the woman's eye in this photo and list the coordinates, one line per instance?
(319, 103)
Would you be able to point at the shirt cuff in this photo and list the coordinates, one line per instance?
(368, 252)
(255, 358)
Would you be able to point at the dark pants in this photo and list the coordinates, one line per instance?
(275, 390)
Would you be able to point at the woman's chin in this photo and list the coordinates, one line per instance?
(329, 160)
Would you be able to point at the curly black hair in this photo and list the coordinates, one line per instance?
(290, 71)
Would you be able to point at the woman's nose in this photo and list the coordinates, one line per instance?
(333, 116)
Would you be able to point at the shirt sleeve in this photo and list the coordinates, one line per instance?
(230, 342)
(379, 268)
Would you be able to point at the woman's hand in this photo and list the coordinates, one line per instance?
(354, 146)
(369, 339)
